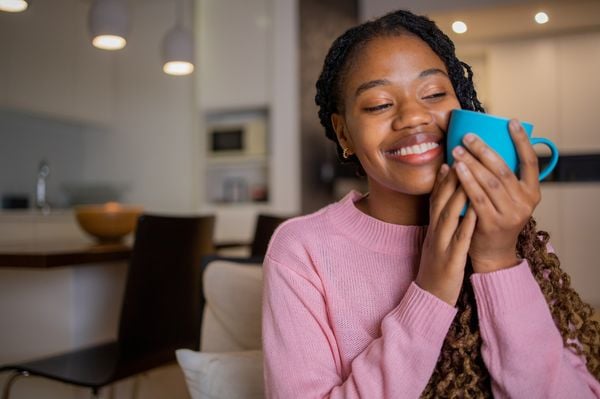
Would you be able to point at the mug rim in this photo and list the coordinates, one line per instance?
(485, 114)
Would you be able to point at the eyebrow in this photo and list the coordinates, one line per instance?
(370, 84)
(382, 82)
(432, 71)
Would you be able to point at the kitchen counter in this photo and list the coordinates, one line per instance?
(32, 239)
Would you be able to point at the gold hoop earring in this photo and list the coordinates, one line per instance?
(346, 153)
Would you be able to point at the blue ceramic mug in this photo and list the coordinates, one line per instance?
(493, 130)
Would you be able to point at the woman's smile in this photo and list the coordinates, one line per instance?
(416, 149)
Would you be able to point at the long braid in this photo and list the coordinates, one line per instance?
(460, 370)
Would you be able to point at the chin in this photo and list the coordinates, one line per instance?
(424, 187)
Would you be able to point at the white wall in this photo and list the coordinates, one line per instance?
(139, 120)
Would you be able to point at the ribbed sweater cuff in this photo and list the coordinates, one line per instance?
(423, 314)
(505, 290)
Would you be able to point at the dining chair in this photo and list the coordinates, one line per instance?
(161, 310)
(264, 228)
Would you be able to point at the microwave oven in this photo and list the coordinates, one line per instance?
(246, 138)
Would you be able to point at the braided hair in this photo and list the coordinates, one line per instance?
(460, 370)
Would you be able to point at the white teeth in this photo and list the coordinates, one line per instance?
(417, 149)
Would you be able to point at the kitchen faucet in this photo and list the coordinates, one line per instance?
(41, 200)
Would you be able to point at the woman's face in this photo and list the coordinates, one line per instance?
(397, 100)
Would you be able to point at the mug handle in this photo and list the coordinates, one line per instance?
(553, 157)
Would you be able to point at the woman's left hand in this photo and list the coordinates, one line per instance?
(502, 201)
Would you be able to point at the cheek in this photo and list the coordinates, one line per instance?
(360, 134)
(442, 116)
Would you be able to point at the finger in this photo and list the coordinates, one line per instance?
(442, 172)
(528, 160)
(449, 217)
(443, 192)
(494, 189)
(479, 198)
(464, 234)
(491, 160)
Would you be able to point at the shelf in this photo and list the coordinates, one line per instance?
(236, 160)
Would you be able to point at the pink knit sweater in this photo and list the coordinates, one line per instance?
(342, 317)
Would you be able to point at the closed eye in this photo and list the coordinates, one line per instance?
(377, 107)
(435, 95)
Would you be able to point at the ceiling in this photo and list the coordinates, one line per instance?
(492, 20)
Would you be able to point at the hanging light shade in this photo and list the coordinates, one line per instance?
(178, 52)
(13, 5)
(109, 24)
(178, 48)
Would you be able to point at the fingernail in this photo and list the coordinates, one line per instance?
(514, 124)
(458, 150)
(461, 167)
(443, 170)
(469, 138)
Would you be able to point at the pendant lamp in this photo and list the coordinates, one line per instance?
(109, 24)
(178, 48)
(13, 5)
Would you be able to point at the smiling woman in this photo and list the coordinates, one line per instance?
(392, 293)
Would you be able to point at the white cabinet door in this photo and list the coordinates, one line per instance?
(232, 39)
(579, 63)
(568, 211)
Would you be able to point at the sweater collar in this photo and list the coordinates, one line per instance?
(373, 233)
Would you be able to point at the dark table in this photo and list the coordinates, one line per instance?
(56, 253)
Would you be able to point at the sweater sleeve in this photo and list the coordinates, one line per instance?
(302, 358)
(522, 347)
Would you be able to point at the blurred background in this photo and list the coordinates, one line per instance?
(240, 135)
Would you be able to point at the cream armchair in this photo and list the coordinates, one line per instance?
(229, 364)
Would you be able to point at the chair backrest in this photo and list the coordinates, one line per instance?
(163, 301)
(265, 226)
(232, 311)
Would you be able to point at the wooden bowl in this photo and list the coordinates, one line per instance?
(109, 222)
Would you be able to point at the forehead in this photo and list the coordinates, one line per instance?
(398, 58)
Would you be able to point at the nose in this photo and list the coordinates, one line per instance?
(411, 115)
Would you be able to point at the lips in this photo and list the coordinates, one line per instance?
(416, 148)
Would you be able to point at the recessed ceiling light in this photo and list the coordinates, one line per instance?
(541, 17)
(13, 5)
(459, 27)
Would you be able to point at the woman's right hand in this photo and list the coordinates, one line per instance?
(446, 245)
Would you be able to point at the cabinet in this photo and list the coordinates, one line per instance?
(233, 87)
(247, 64)
(237, 157)
(568, 212)
(550, 90)
(233, 46)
